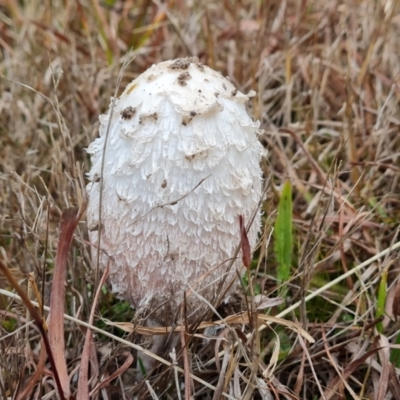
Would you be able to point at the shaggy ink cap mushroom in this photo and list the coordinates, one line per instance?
(181, 165)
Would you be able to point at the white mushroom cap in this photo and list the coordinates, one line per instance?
(181, 165)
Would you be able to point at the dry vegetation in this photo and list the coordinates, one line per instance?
(327, 81)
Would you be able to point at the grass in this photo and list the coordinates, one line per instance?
(327, 81)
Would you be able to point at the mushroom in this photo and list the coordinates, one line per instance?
(181, 165)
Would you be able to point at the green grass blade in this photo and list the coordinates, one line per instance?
(382, 293)
(395, 354)
(283, 233)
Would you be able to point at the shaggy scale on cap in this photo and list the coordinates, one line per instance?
(181, 165)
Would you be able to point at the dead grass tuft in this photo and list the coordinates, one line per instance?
(327, 81)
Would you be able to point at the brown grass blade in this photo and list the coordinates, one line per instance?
(394, 384)
(242, 318)
(69, 221)
(222, 370)
(246, 252)
(336, 367)
(333, 386)
(38, 320)
(24, 394)
(186, 363)
(384, 378)
(118, 372)
(396, 300)
(83, 383)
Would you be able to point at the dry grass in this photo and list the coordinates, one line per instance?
(327, 81)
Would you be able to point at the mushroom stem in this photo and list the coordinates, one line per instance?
(161, 345)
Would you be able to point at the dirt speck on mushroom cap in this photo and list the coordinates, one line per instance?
(177, 174)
